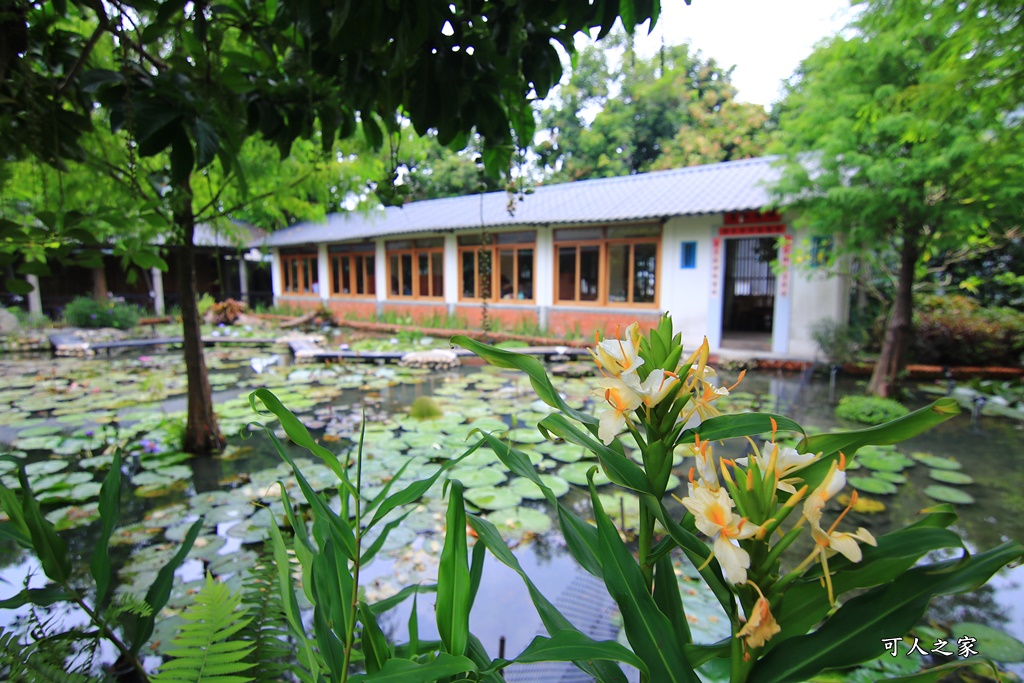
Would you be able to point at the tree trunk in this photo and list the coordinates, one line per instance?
(893, 359)
(202, 435)
(100, 292)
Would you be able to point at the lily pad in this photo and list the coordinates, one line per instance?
(576, 473)
(893, 477)
(527, 489)
(883, 462)
(936, 462)
(992, 642)
(515, 523)
(951, 477)
(948, 494)
(873, 485)
(493, 498)
(483, 477)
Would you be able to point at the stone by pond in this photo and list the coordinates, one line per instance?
(64, 417)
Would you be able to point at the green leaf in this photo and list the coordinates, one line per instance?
(650, 633)
(668, 599)
(743, 424)
(43, 597)
(207, 143)
(571, 645)
(50, 548)
(144, 258)
(160, 590)
(110, 515)
(936, 674)
(453, 580)
(997, 644)
(850, 635)
(532, 367)
(288, 601)
(20, 287)
(376, 649)
(406, 671)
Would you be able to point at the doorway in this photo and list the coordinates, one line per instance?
(748, 304)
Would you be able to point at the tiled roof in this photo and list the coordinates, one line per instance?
(714, 188)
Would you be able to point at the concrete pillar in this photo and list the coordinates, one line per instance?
(35, 297)
(275, 275)
(544, 274)
(157, 275)
(451, 272)
(323, 269)
(381, 273)
(243, 279)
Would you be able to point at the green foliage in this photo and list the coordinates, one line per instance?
(272, 656)
(30, 321)
(955, 330)
(838, 342)
(84, 311)
(425, 408)
(786, 626)
(34, 663)
(203, 651)
(674, 109)
(870, 410)
(204, 304)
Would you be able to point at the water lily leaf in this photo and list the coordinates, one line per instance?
(525, 435)
(576, 473)
(527, 489)
(74, 516)
(40, 430)
(992, 642)
(951, 477)
(883, 462)
(872, 485)
(936, 462)
(892, 477)
(493, 498)
(485, 477)
(514, 523)
(948, 494)
(41, 467)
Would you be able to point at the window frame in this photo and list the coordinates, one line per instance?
(495, 251)
(369, 261)
(414, 252)
(307, 259)
(604, 270)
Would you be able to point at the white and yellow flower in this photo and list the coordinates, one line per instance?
(622, 400)
(619, 357)
(714, 517)
(761, 624)
(783, 461)
(653, 389)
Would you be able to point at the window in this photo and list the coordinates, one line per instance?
(508, 257)
(299, 272)
(416, 268)
(353, 270)
(607, 265)
(688, 257)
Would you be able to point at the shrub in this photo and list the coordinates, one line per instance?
(839, 343)
(204, 303)
(870, 410)
(225, 312)
(84, 311)
(955, 330)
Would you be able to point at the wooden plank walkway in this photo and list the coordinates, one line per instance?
(70, 344)
(307, 352)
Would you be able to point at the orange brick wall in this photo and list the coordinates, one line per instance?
(309, 303)
(417, 313)
(509, 317)
(562, 322)
(360, 309)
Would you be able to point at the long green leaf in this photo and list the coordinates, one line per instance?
(406, 671)
(851, 634)
(892, 432)
(110, 514)
(288, 601)
(743, 424)
(333, 600)
(160, 590)
(453, 580)
(44, 597)
(376, 649)
(50, 548)
(571, 645)
(553, 620)
(649, 631)
(668, 599)
(532, 367)
(298, 433)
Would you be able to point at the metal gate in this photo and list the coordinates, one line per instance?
(749, 300)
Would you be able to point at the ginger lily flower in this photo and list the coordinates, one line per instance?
(832, 484)
(761, 625)
(714, 517)
(783, 461)
(619, 357)
(622, 400)
(653, 389)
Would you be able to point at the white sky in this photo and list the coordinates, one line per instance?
(765, 39)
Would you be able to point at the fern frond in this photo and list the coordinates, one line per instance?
(274, 651)
(207, 649)
(31, 664)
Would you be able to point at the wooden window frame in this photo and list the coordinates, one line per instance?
(310, 261)
(495, 250)
(604, 270)
(369, 279)
(415, 253)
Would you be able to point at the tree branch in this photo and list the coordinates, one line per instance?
(101, 28)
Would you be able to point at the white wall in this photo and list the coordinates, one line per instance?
(685, 292)
(817, 294)
(275, 274)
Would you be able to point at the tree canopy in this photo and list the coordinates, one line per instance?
(676, 108)
(903, 180)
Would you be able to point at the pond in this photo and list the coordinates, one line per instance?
(65, 414)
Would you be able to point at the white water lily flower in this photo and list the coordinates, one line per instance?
(714, 517)
(622, 400)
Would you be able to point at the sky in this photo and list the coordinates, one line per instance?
(765, 39)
